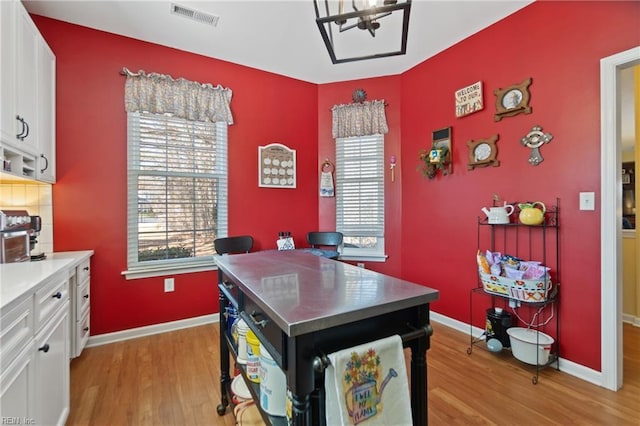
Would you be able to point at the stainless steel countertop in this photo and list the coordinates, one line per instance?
(303, 293)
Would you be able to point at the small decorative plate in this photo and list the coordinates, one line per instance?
(359, 96)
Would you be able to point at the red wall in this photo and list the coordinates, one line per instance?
(431, 225)
(90, 195)
(559, 45)
(389, 89)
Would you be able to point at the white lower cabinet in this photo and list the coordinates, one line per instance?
(80, 291)
(34, 354)
(52, 370)
(17, 400)
(42, 327)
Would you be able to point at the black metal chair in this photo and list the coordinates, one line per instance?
(326, 239)
(231, 245)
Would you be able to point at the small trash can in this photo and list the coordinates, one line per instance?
(498, 321)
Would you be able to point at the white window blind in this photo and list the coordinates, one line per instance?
(177, 190)
(360, 194)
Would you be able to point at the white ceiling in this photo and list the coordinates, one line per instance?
(278, 36)
(281, 36)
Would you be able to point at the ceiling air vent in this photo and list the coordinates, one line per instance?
(196, 15)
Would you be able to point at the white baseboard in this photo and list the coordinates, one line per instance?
(455, 324)
(581, 372)
(628, 318)
(566, 366)
(132, 333)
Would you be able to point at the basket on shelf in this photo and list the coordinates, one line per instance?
(532, 291)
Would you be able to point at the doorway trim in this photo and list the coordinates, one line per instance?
(611, 217)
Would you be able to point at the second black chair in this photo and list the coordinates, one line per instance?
(326, 239)
(231, 245)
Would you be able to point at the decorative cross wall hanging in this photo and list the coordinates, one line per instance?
(534, 140)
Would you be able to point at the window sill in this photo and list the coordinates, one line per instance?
(134, 274)
(361, 258)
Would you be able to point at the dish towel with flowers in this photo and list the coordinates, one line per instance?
(368, 382)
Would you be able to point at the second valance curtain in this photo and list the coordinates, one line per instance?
(359, 119)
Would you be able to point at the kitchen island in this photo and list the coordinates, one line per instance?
(303, 307)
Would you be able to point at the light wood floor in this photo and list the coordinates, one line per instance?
(172, 379)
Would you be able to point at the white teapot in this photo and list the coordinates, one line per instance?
(498, 215)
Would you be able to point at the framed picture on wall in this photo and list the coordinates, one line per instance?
(513, 100)
(626, 177)
(276, 166)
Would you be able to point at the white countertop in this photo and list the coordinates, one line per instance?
(19, 278)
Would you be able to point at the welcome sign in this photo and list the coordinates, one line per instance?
(469, 99)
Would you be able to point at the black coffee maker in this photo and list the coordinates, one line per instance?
(36, 227)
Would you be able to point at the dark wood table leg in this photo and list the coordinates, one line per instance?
(225, 378)
(419, 349)
(300, 410)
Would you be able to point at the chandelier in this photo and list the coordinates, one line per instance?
(382, 32)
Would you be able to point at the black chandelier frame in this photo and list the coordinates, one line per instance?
(366, 19)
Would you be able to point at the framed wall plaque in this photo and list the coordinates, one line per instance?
(483, 153)
(512, 100)
(276, 166)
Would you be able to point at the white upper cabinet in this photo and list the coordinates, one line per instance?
(46, 153)
(8, 120)
(27, 113)
(27, 82)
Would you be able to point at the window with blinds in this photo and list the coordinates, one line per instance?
(360, 195)
(177, 190)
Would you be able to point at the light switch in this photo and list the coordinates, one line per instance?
(587, 201)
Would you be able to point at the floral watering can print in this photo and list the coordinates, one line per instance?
(362, 399)
(362, 395)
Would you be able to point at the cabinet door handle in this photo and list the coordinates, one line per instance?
(86, 296)
(85, 329)
(261, 323)
(58, 295)
(86, 268)
(46, 164)
(21, 134)
(44, 348)
(27, 126)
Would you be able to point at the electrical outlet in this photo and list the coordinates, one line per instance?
(360, 265)
(169, 285)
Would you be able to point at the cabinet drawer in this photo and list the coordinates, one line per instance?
(82, 333)
(82, 300)
(84, 270)
(266, 331)
(17, 330)
(51, 297)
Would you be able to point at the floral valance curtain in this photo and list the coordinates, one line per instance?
(161, 94)
(359, 119)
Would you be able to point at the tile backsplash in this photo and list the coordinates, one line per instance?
(37, 199)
